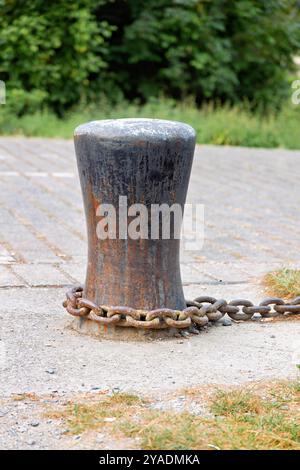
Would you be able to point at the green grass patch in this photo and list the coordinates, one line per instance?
(283, 283)
(219, 125)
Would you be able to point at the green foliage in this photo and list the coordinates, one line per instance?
(58, 54)
(221, 49)
(214, 125)
(50, 51)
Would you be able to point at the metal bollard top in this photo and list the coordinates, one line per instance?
(132, 130)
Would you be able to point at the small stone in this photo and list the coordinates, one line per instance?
(34, 424)
(185, 334)
(50, 371)
(256, 316)
(193, 330)
(93, 389)
(31, 443)
(227, 322)
(22, 429)
(272, 336)
(77, 438)
(57, 433)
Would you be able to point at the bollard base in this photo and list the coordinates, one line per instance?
(91, 328)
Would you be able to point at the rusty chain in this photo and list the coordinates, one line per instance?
(198, 312)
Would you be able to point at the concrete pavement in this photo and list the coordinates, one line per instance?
(251, 199)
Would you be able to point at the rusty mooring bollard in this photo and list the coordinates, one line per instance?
(122, 163)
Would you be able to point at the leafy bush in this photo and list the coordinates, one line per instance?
(50, 51)
(222, 49)
(58, 54)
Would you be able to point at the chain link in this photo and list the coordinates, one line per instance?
(198, 312)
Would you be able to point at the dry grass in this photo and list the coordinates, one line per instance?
(31, 396)
(283, 283)
(259, 416)
(96, 413)
(242, 419)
